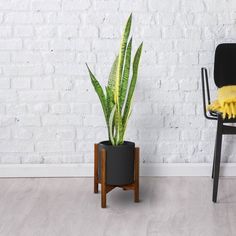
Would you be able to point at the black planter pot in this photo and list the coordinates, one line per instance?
(119, 163)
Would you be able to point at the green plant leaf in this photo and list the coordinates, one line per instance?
(132, 85)
(110, 125)
(123, 46)
(125, 125)
(113, 75)
(109, 104)
(100, 93)
(118, 127)
(125, 77)
(109, 99)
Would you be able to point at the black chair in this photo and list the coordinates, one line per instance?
(224, 74)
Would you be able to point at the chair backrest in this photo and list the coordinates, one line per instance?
(225, 65)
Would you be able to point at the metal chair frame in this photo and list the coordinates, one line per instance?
(222, 129)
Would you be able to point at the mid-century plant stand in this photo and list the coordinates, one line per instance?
(105, 188)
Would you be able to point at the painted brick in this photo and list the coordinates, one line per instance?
(5, 32)
(14, 109)
(26, 57)
(75, 5)
(60, 108)
(38, 108)
(38, 96)
(23, 31)
(23, 70)
(54, 133)
(10, 44)
(106, 6)
(22, 133)
(42, 83)
(36, 44)
(28, 120)
(46, 31)
(4, 83)
(8, 96)
(67, 120)
(16, 146)
(44, 5)
(5, 133)
(65, 17)
(60, 147)
(20, 83)
(164, 6)
(10, 158)
(81, 108)
(24, 18)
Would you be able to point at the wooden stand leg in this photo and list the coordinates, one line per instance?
(136, 175)
(95, 168)
(103, 178)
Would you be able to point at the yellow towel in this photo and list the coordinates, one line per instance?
(226, 102)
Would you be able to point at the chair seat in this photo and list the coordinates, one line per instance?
(226, 120)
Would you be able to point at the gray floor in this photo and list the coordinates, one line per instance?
(67, 207)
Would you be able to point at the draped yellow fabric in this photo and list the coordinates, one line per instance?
(226, 102)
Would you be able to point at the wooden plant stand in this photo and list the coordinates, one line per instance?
(105, 188)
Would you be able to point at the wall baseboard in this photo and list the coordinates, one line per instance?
(86, 170)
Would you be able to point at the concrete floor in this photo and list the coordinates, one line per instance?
(67, 207)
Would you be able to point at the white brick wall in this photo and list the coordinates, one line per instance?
(49, 112)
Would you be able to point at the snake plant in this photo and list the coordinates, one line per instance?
(116, 99)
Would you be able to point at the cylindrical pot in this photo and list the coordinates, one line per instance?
(119, 163)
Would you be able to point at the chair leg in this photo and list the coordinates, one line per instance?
(217, 158)
(214, 159)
